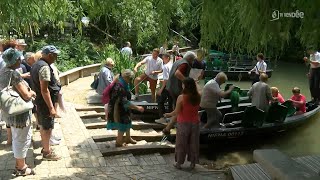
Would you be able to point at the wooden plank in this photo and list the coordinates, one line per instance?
(249, 172)
(138, 150)
(92, 115)
(148, 138)
(312, 162)
(280, 166)
(91, 108)
(136, 125)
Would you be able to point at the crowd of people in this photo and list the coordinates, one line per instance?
(36, 79)
(185, 99)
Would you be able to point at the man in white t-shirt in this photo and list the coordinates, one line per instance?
(154, 67)
(163, 93)
(210, 97)
(260, 67)
(314, 75)
(127, 49)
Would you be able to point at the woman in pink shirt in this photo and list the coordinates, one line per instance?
(188, 130)
(298, 100)
(276, 96)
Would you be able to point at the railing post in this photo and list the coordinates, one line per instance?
(67, 79)
(81, 73)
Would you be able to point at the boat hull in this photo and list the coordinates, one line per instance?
(209, 136)
(151, 110)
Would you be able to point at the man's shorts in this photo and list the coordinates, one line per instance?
(44, 119)
(152, 82)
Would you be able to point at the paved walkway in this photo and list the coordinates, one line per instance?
(81, 159)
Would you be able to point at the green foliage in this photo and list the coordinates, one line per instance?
(245, 27)
(75, 52)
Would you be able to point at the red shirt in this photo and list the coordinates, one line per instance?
(302, 98)
(183, 68)
(280, 98)
(178, 58)
(189, 112)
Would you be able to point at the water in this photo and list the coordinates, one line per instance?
(296, 142)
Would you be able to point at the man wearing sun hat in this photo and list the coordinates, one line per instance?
(47, 89)
(21, 45)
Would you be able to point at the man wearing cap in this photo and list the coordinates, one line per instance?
(47, 89)
(21, 46)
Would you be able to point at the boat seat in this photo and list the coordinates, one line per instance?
(253, 117)
(291, 108)
(311, 106)
(234, 116)
(277, 113)
(203, 116)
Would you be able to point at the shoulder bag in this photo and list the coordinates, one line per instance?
(12, 103)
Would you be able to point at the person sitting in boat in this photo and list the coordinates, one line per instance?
(105, 76)
(180, 70)
(118, 108)
(260, 67)
(188, 131)
(211, 94)
(154, 67)
(276, 96)
(163, 93)
(298, 100)
(260, 93)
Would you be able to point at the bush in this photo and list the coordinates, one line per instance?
(78, 51)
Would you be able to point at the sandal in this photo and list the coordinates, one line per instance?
(24, 172)
(165, 132)
(52, 156)
(51, 149)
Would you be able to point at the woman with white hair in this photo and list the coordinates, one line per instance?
(20, 124)
(105, 76)
(119, 106)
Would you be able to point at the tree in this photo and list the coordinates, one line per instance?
(244, 26)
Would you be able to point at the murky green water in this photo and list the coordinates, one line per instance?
(300, 141)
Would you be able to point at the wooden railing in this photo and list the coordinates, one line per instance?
(79, 72)
(84, 71)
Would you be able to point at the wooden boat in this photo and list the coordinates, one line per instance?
(234, 73)
(236, 67)
(252, 122)
(151, 109)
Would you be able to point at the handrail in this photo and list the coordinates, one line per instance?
(84, 71)
(183, 49)
(78, 72)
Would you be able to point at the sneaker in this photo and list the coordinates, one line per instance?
(161, 121)
(56, 136)
(54, 142)
(134, 97)
(51, 156)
